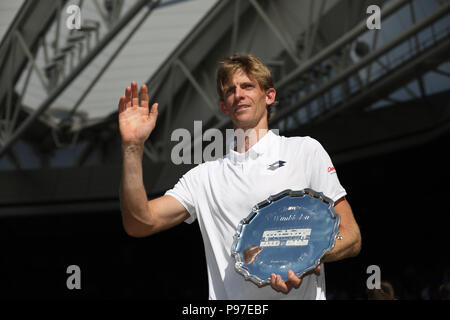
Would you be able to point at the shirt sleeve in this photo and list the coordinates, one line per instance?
(183, 192)
(322, 173)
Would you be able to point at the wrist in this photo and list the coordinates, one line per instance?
(132, 148)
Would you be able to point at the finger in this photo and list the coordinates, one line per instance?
(281, 285)
(134, 94)
(144, 96)
(127, 97)
(293, 279)
(154, 109)
(274, 283)
(317, 270)
(273, 280)
(122, 104)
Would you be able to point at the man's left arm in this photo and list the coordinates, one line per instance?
(348, 243)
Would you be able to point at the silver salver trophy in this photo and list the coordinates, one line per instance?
(291, 230)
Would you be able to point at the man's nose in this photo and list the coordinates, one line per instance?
(239, 93)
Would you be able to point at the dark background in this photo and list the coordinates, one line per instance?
(400, 201)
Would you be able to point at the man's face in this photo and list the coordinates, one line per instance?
(246, 102)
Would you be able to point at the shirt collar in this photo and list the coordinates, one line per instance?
(263, 146)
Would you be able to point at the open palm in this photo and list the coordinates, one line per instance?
(136, 122)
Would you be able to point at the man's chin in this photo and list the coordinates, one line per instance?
(244, 124)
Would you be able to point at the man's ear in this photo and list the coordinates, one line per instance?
(223, 107)
(270, 96)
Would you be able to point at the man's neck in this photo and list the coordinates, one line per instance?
(245, 139)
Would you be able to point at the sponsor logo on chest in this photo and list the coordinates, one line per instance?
(277, 164)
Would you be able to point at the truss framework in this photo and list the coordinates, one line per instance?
(322, 68)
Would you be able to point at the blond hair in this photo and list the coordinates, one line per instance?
(252, 67)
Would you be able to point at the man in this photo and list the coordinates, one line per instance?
(220, 193)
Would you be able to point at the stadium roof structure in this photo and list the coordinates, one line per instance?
(360, 91)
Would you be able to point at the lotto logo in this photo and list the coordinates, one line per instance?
(331, 169)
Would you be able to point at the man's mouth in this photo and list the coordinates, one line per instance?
(241, 107)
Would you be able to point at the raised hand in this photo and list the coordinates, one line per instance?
(136, 122)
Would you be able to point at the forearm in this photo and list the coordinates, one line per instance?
(133, 197)
(347, 245)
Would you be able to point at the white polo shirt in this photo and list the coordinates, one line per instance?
(220, 193)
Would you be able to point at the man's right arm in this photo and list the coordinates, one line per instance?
(141, 217)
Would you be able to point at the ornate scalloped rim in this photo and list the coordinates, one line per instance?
(288, 192)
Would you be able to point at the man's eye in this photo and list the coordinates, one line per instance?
(229, 91)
